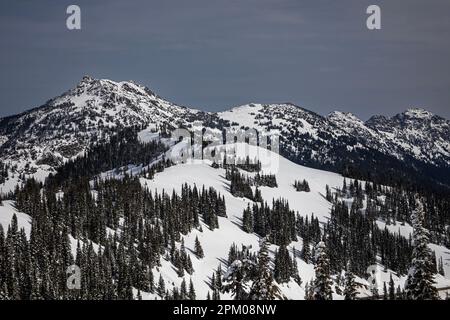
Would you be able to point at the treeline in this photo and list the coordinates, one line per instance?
(119, 150)
(265, 180)
(241, 185)
(123, 231)
(310, 232)
(302, 185)
(276, 222)
(247, 276)
(395, 205)
(354, 238)
(248, 165)
(251, 276)
(351, 235)
(89, 211)
(4, 168)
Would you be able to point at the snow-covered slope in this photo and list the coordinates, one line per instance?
(7, 211)
(216, 243)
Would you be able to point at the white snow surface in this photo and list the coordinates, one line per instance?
(216, 243)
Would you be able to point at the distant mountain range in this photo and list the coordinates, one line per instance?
(413, 146)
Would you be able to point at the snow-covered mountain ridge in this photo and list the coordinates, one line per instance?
(63, 127)
(415, 142)
(414, 133)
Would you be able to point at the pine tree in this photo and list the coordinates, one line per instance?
(264, 287)
(161, 286)
(375, 293)
(350, 291)
(216, 294)
(305, 254)
(191, 293)
(328, 193)
(183, 290)
(399, 293)
(309, 290)
(238, 275)
(150, 280)
(4, 293)
(247, 220)
(216, 283)
(391, 288)
(385, 292)
(295, 273)
(420, 282)
(198, 249)
(441, 267)
(322, 282)
(219, 277)
(189, 267)
(283, 265)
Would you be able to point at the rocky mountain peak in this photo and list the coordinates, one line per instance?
(417, 113)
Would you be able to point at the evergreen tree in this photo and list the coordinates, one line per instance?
(216, 283)
(247, 220)
(219, 277)
(283, 265)
(264, 287)
(183, 290)
(238, 274)
(302, 186)
(161, 286)
(375, 293)
(420, 282)
(328, 194)
(191, 293)
(198, 249)
(350, 291)
(309, 290)
(322, 283)
(441, 267)
(295, 273)
(399, 293)
(391, 288)
(385, 292)
(305, 254)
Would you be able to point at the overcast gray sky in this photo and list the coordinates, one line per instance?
(215, 54)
